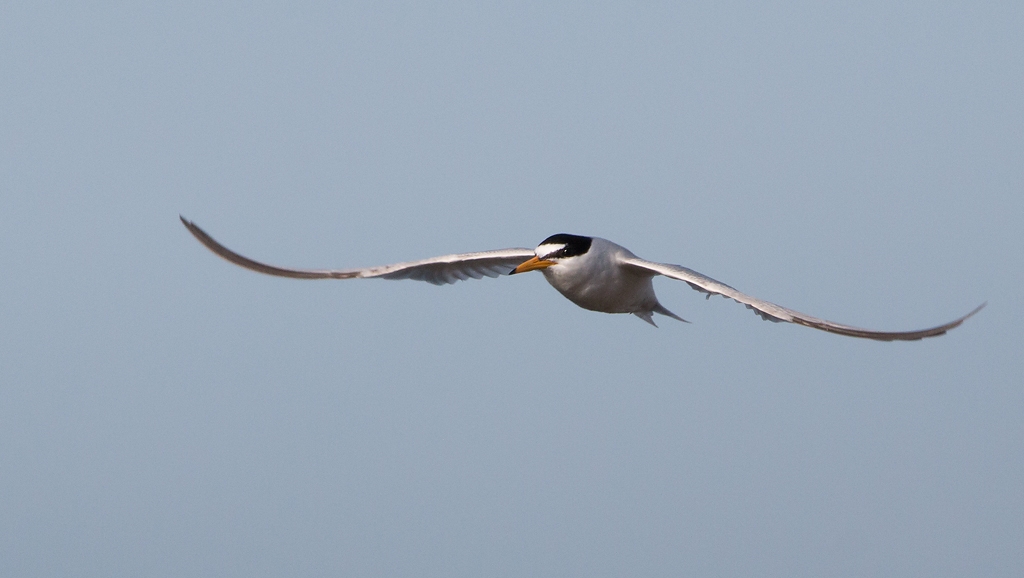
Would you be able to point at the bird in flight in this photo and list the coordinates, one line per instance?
(593, 273)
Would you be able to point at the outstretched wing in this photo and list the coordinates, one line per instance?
(773, 312)
(437, 270)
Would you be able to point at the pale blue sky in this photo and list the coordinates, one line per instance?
(164, 413)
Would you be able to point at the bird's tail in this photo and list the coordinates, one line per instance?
(648, 316)
(659, 308)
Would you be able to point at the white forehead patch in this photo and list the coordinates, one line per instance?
(548, 248)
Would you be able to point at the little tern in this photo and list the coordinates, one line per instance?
(593, 273)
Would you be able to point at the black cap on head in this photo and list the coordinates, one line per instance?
(572, 245)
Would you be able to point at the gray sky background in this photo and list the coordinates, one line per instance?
(164, 413)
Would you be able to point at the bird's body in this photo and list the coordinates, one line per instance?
(593, 273)
(597, 281)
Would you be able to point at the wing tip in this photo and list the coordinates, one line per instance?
(194, 229)
(890, 335)
(973, 311)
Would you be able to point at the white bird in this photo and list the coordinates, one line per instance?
(593, 273)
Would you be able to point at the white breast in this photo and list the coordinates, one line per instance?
(597, 281)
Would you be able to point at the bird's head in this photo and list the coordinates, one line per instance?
(554, 250)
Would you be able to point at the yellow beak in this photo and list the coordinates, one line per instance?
(534, 263)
